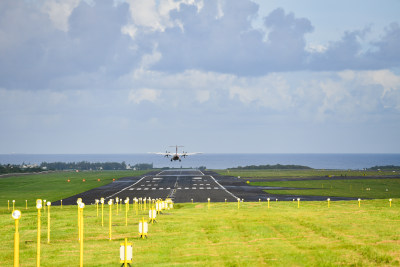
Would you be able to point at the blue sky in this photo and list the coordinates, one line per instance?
(217, 76)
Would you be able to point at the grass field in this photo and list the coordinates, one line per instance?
(344, 187)
(274, 174)
(368, 188)
(193, 235)
(54, 186)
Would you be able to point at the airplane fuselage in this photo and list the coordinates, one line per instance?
(175, 157)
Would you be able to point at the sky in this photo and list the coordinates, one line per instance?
(217, 76)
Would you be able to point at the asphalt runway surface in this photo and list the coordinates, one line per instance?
(179, 185)
(182, 186)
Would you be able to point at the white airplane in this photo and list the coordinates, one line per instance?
(176, 155)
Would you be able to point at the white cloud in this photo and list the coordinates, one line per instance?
(386, 78)
(316, 48)
(130, 30)
(144, 13)
(145, 94)
(59, 12)
(271, 91)
(202, 95)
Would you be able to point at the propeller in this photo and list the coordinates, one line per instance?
(167, 156)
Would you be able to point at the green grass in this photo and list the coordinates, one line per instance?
(368, 188)
(192, 235)
(273, 174)
(54, 186)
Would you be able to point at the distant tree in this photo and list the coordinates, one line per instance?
(143, 166)
(384, 168)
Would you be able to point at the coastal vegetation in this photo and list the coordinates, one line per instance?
(80, 166)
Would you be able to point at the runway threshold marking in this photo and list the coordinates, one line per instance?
(126, 187)
(221, 186)
(173, 191)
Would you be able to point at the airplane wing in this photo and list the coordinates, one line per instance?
(166, 154)
(184, 154)
(192, 153)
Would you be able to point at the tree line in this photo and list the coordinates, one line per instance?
(82, 166)
(384, 168)
(12, 168)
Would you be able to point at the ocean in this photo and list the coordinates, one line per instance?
(218, 161)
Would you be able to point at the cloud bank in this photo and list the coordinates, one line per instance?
(167, 65)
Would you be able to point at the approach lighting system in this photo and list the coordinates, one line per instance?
(110, 202)
(38, 204)
(39, 207)
(16, 214)
(125, 253)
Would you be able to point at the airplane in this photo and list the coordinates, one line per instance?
(176, 156)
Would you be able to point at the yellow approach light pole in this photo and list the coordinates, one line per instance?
(78, 201)
(126, 211)
(97, 207)
(39, 207)
(110, 219)
(136, 206)
(102, 211)
(48, 221)
(16, 216)
(117, 200)
(13, 205)
(125, 253)
(81, 206)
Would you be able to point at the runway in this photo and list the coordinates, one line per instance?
(179, 185)
(182, 186)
